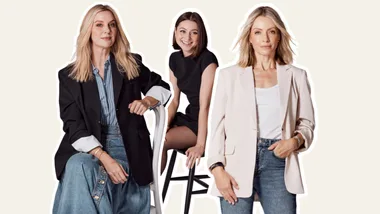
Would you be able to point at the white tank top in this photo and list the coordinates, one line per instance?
(268, 112)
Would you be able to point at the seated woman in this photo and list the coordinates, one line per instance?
(192, 71)
(263, 116)
(104, 161)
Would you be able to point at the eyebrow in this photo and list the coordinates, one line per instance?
(262, 29)
(186, 29)
(102, 21)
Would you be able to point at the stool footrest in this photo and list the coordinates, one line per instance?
(203, 191)
(199, 181)
(180, 178)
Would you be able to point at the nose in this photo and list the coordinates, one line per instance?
(265, 37)
(188, 37)
(107, 29)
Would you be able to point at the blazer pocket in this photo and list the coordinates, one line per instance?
(229, 149)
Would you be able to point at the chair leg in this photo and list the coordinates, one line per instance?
(169, 174)
(189, 189)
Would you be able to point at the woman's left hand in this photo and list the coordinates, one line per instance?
(283, 148)
(193, 154)
(138, 107)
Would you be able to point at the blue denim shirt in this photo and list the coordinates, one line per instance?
(105, 88)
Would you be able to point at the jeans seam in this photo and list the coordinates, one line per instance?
(100, 185)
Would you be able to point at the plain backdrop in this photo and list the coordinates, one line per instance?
(337, 42)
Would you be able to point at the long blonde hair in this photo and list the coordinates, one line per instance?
(82, 70)
(284, 53)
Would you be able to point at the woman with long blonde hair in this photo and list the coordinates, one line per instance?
(104, 161)
(262, 118)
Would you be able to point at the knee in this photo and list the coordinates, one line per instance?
(168, 142)
(165, 147)
(79, 163)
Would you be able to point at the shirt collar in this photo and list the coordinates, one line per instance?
(106, 64)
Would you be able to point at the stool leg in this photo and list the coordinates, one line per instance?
(189, 189)
(169, 174)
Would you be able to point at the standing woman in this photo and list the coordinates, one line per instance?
(103, 163)
(262, 118)
(192, 71)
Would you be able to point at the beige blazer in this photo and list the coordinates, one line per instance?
(232, 136)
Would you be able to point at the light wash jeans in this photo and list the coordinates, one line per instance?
(85, 187)
(268, 183)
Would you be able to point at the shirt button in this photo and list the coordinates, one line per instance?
(98, 121)
(101, 182)
(96, 197)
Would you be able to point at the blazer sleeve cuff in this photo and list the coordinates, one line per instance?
(159, 93)
(307, 141)
(86, 144)
(215, 159)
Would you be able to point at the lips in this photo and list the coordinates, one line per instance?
(106, 38)
(187, 43)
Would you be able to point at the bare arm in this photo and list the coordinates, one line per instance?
(204, 102)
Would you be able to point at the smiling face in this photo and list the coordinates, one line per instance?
(104, 30)
(186, 35)
(264, 36)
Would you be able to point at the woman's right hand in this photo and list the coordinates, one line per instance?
(224, 182)
(114, 169)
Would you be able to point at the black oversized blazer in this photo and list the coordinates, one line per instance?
(80, 112)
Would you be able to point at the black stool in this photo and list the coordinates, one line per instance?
(190, 179)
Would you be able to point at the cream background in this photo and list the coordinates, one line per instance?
(337, 41)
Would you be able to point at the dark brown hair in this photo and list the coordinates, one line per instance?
(202, 35)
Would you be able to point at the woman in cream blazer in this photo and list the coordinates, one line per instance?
(242, 162)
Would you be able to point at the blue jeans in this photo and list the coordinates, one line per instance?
(85, 187)
(268, 183)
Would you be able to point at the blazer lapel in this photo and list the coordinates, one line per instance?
(284, 78)
(248, 84)
(246, 78)
(117, 79)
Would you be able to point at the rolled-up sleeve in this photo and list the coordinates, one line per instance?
(86, 144)
(159, 93)
(305, 122)
(216, 135)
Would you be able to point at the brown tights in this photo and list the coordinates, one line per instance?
(179, 137)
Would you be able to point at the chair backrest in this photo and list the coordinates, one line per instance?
(157, 141)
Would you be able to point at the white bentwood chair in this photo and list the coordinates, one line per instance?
(157, 141)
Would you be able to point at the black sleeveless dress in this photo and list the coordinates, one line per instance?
(188, 72)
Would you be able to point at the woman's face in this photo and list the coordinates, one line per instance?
(186, 36)
(264, 36)
(104, 29)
